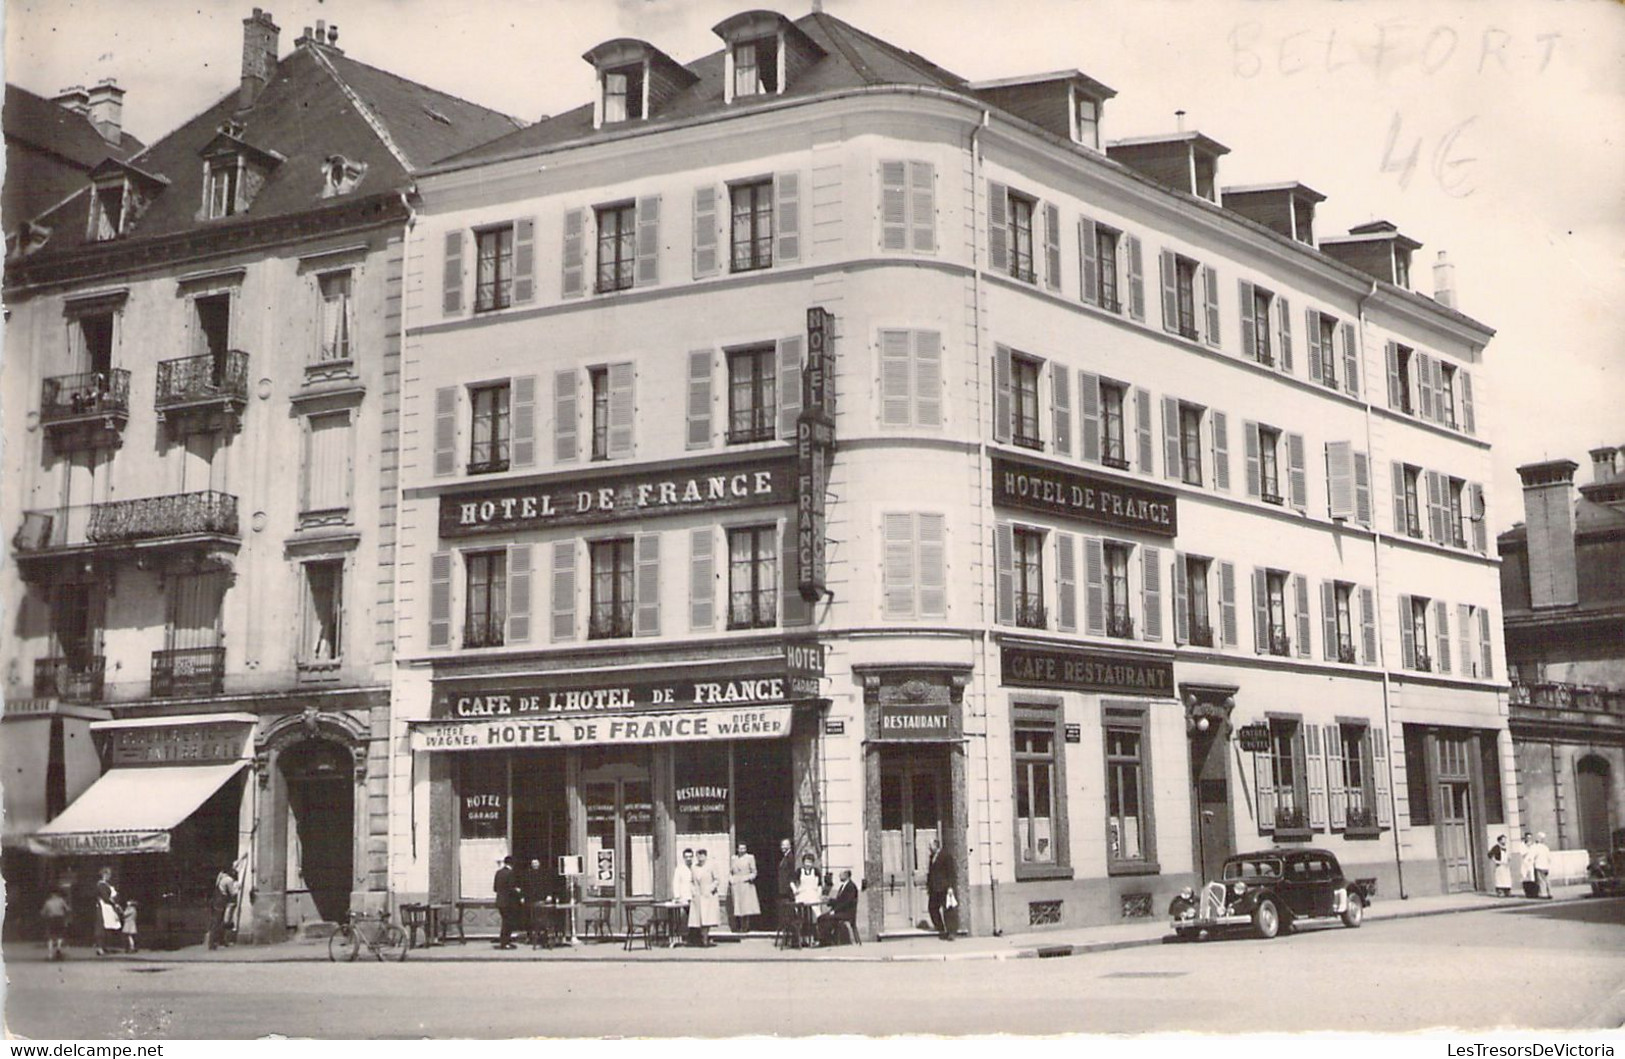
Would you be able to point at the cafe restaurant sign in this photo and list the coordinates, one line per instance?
(674, 726)
(1052, 490)
(1029, 667)
(571, 499)
(562, 700)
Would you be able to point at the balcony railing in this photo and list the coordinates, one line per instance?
(1026, 435)
(748, 426)
(488, 464)
(70, 679)
(1360, 818)
(1030, 612)
(1111, 454)
(757, 609)
(1346, 653)
(1118, 622)
(1551, 695)
(1424, 663)
(188, 671)
(484, 631)
(89, 395)
(128, 521)
(200, 380)
(1270, 495)
(610, 620)
(1291, 818)
(1280, 642)
(1201, 634)
(1265, 358)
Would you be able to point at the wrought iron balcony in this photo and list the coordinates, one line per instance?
(1201, 634)
(610, 620)
(488, 464)
(1291, 818)
(753, 610)
(1266, 358)
(1026, 435)
(95, 395)
(1280, 642)
(1270, 494)
(1424, 664)
(70, 679)
(1360, 818)
(750, 425)
(1111, 454)
(1030, 612)
(207, 381)
(1346, 653)
(1551, 695)
(189, 671)
(1118, 622)
(182, 517)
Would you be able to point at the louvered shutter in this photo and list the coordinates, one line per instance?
(1328, 620)
(895, 379)
(1379, 774)
(797, 611)
(787, 217)
(1436, 376)
(1261, 611)
(440, 599)
(1316, 760)
(622, 409)
(518, 630)
(998, 227)
(571, 282)
(646, 587)
(451, 302)
(699, 399)
(524, 420)
(1468, 422)
(1061, 400)
(1311, 338)
(1464, 638)
(1362, 488)
(648, 260)
(1283, 310)
(893, 206)
(1003, 406)
(1351, 360)
(922, 206)
(897, 574)
(1441, 617)
(1300, 592)
(1136, 280)
(524, 261)
(1004, 573)
(1264, 780)
(1340, 479)
(790, 359)
(1228, 623)
(1182, 619)
(1479, 519)
(1066, 581)
(566, 429)
(1437, 531)
(1297, 476)
(564, 590)
(932, 559)
(1368, 625)
(1254, 472)
(705, 231)
(1249, 341)
(1052, 246)
(1401, 521)
(1486, 647)
(1094, 587)
(1143, 431)
(1089, 263)
(1221, 450)
(1210, 288)
(1151, 591)
(1396, 393)
(1336, 794)
(702, 578)
(1170, 292)
(1170, 438)
(1090, 422)
(445, 431)
(1407, 634)
(927, 379)
(1421, 365)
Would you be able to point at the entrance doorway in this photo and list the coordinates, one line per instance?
(914, 810)
(541, 821)
(1213, 828)
(617, 797)
(321, 827)
(1592, 791)
(1456, 822)
(764, 803)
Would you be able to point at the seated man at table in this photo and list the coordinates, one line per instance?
(843, 907)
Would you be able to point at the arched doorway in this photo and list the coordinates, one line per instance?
(1592, 789)
(320, 778)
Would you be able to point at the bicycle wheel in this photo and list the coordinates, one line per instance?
(343, 944)
(391, 943)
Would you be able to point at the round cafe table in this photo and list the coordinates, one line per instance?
(675, 916)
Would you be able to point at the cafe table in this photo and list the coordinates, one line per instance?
(552, 923)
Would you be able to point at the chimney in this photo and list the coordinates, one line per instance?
(1444, 282)
(73, 98)
(1179, 120)
(1548, 511)
(260, 35)
(106, 106)
(1602, 465)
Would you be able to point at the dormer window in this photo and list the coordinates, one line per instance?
(221, 187)
(764, 52)
(340, 175)
(623, 94)
(756, 67)
(119, 193)
(107, 211)
(1402, 267)
(233, 172)
(1088, 121)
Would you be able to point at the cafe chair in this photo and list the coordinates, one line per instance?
(595, 923)
(642, 924)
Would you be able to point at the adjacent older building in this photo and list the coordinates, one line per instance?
(806, 443)
(1563, 587)
(202, 377)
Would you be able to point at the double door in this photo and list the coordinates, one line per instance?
(913, 812)
(618, 802)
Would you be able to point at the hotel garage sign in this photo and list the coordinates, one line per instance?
(571, 499)
(1053, 490)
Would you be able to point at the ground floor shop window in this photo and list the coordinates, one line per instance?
(1039, 792)
(702, 778)
(482, 822)
(1130, 845)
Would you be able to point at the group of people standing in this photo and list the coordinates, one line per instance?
(1536, 866)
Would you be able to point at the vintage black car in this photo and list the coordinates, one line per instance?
(1270, 891)
(1606, 872)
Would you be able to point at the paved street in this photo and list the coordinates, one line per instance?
(1544, 966)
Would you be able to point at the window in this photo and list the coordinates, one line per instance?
(1088, 112)
(487, 610)
(76, 622)
(327, 465)
(623, 93)
(1405, 360)
(752, 403)
(1413, 518)
(1343, 606)
(222, 187)
(752, 225)
(1402, 268)
(1287, 775)
(1269, 475)
(612, 599)
(1280, 643)
(1029, 578)
(1024, 374)
(914, 569)
(337, 316)
(756, 67)
(1447, 395)
(617, 247)
(1185, 295)
(1106, 256)
(488, 446)
(1419, 631)
(1327, 326)
(1021, 237)
(213, 334)
(598, 382)
(1190, 444)
(340, 175)
(1119, 621)
(911, 379)
(1418, 784)
(1455, 494)
(1129, 842)
(1353, 789)
(1113, 447)
(322, 638)
(107, 211)
(95, 331)
(1196, 601)
(753, 578)
(1040, 792)
(1262, 300)
(494, 279)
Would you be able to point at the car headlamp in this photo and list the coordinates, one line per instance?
(1241, 888)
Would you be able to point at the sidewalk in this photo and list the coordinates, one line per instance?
(1032, 945)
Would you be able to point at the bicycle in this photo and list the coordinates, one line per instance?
(386, 942)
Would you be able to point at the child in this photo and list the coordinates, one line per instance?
(127, 924)
(55, 914)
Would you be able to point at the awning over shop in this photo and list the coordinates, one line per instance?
(132, 810)
(667, 726)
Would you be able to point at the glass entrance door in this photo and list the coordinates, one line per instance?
(913, 812)
(620, 854)
(1455, 829)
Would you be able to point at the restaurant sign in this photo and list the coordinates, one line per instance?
(93, 843)
(677, 726)
(1059, 491)
(1029, 667)
(914, 721)
(570, 499)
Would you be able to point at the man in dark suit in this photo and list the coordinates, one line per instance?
(509, 901)
(785, 905)
(939, 883)
(843, 907)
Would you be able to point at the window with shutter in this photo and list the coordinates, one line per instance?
(1022, 211)
(753, 572)
(1362, 488)
(1368, 625)
(494, 268)
(1088, 262)
(1061, 407)
(1113, 443)
(1340, 479)
(922, 207)
(565, 425)
(1003, 405)
(1052, 246)
(519, 593)
(898, 575)
(490, 428)
(791, 359)
(702, 578)
(1183, 618)
(1028, 578)
(622, 410)
(752, 225)
(998, 233)
(1297, 475)
(564, 590)
(753, 381)
(1300, 594)
(440, 599)
(698, 433)
(1465, 626)
(894, 205)
(1315, 775)
(1066, 595)
(1210, 288)
(787, 208)
(616, 576)
(1486, 671)
(1094, 595)
(617, 227)
(1090, 434)
(1283, 317)
(705, 231)
(1468, 420)
(927, 379)
(648, 250)
(485, 598)
(1441, 611)
(451, 302)
(1351, 360)
(932, 533)
(1151, 591)
(327, 466)
(1221, 450)
(1143, 430)
(896, 379)
(1136, 280)
(1173, 465)
(646, 620)
(1229, 623)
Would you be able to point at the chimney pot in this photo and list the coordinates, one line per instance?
(333, 34)
(321, 31)
(105, 108)
(73, 98)
(260, 37)
(1179, 120)
(1444, 282)
(1602, 464)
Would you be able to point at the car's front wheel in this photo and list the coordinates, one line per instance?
(1267, 919)
(1354, 913)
